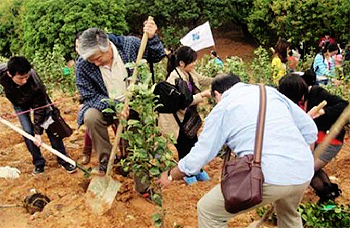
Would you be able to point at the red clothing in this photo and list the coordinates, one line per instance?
(324, 40)
(321, 135)
(292, 62)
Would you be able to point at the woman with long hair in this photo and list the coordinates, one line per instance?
(280, 59)
(181, 66)
(324, 64)
(307, 96)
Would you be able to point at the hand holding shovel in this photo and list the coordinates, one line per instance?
(102, 190)
(50, 149)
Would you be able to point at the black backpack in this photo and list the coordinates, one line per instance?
(323, 187)
(171, 98)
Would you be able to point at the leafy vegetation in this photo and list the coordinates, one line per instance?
(50, 22)
(176, 18)
(50, 66)
(10, 28)
(313, 215)
(325, 215)
(148, 154)
(305, 20)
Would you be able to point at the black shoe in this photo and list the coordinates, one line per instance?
(101, 169)
(103, 166)
(38, 170)
(69, 168)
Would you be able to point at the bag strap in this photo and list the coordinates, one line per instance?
(175, 115)
(260, 125)
(178, 120)
(178, 73)
(259, 133)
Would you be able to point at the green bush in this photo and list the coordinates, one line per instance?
(172, 18)
(50, 22)
(261, 67)
(50, 65)
(176, 18)
(10, 27)
(235, 65)
(305, 20)
(313, 215)
(325, 215)
(224, 13)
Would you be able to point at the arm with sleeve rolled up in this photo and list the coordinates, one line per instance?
(203, 80)
(199, 97)
(212, 138)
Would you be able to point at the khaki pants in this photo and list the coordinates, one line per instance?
(212, 214)
(97, 127)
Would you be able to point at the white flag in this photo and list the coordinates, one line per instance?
(199, 38)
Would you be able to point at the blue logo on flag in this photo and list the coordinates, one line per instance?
(195, 36)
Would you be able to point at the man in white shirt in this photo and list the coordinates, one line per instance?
(287, 161)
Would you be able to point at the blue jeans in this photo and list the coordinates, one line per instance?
(27, 126)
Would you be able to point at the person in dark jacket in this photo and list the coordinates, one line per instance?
(24, 89)
(101, 73)
(308, 96)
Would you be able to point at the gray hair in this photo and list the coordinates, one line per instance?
(91, 41)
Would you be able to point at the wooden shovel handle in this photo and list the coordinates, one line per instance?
(320, 106)
(115, 148)
(334, 131)
(30, 137)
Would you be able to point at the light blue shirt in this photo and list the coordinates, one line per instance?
(321, 69)
(286, 155)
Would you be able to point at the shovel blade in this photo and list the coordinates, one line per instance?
(101, 193)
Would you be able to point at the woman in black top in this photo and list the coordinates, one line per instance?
(307, 96)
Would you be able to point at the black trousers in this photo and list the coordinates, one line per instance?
(184, 144)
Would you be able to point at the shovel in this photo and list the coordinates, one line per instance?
(102, 190)
(333, 131)
(50, 149)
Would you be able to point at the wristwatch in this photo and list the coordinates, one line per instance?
(170, 178)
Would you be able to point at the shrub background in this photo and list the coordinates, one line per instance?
(44, 30)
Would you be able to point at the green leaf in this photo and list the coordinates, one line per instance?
(158, 223)
(337, 210)
(328, 207)
(156, 216)
(130, 65)
(157, 199)
(154, 171)
(133, 122)
(108, 110)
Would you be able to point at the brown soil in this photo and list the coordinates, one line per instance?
(68, 208)
(231, 43)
